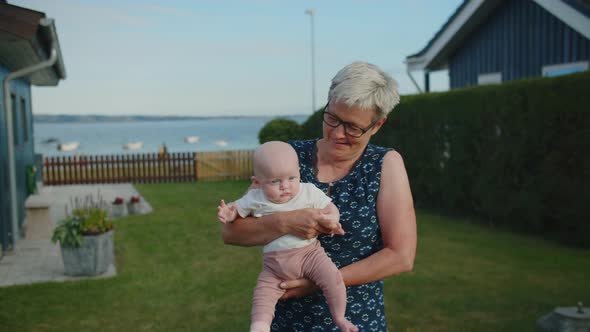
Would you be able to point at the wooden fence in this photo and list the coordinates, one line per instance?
(147, 168)
(224, 165)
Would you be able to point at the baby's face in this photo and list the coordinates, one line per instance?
(280, 183)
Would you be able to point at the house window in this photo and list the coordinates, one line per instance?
(565, 68)
(14, 118)
(489, 78)
(24, 118)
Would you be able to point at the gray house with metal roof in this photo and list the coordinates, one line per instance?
(492, 41)
(29, 55)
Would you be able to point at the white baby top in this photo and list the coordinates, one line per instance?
(256, 204)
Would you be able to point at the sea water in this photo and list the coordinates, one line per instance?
(105, 138)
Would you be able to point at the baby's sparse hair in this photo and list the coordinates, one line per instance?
(269, 150)
(365, 85)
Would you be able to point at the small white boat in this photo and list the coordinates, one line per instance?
(191, 139)
(68, 146)
(133, 145)
(221, 143)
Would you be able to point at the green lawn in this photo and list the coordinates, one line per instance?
(175, 274)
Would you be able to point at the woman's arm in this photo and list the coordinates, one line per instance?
(305, 223)
(252, 231)
(397, 220)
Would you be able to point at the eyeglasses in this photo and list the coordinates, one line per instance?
(349, 128)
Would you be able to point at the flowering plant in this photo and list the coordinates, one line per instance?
(134, 199)
(118, 201)
(88, 219)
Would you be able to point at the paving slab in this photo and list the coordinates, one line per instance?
(37, 259)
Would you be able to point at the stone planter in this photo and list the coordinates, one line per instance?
(566, 319)
(93, 258)
(118, 210)
(134, 208)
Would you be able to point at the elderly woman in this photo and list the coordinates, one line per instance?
(370, 187)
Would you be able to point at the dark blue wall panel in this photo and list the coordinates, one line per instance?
(23, 153)
(518, 39)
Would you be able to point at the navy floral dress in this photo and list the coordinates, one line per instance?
(355, 195)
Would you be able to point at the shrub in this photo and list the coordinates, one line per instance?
(513, 154)
(280, 129)
(312, 127)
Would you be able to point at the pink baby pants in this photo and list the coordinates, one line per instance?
(309, 262)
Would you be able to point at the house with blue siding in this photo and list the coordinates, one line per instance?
(493, 41)
(30, 55)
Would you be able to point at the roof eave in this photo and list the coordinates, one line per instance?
(28, 38)
(47, 38)
(421, 63)
(567, 14)
(468, 17)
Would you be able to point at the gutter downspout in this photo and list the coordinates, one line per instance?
(9, 132)
(413, 81)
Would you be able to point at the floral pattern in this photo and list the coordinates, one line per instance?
(355, 196)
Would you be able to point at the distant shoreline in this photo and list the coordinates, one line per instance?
(66, 118)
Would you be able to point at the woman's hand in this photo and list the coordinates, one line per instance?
(297, 288)
(308, 223)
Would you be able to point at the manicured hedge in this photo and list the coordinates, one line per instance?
(515, 154)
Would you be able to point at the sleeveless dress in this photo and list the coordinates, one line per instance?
(355, 195)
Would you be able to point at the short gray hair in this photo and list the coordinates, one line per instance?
(366, 86)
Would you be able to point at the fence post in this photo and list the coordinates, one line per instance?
(194, 167)
(66, 169)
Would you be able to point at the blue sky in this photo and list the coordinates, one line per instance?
(248, 57)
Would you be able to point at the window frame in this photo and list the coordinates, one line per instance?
(565, 68)
(489, 78)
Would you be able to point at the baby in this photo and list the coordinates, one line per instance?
(276, 187)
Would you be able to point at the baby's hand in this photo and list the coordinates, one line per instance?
(338, 229)
(226, 213)
(331, 220)
(333, 225)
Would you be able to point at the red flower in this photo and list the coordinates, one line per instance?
(118, 201)
(134, 199)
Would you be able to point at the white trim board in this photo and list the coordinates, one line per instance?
(422, 61)
(568, 15)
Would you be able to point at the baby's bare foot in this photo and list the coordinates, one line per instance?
(346, 326)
